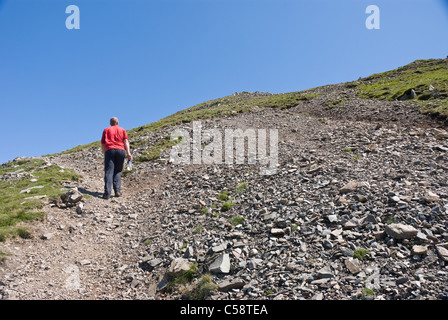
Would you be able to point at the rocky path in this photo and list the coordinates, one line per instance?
(357, 210)
(89, 254)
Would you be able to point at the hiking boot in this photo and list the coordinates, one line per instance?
(118, 194)
(106, 196)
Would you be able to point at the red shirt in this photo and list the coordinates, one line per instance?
(113, 137)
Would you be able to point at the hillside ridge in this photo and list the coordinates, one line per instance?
(357, 208)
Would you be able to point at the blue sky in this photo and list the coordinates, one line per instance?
(142, 60)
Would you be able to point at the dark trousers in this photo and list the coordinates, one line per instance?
(113, 165)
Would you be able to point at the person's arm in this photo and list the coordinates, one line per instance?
(128, 149)
(103, 142)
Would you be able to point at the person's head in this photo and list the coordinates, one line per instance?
(114, 121)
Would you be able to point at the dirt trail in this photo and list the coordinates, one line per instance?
(80, 256)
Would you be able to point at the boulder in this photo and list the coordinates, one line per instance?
(401, 231)
(221, 264)
(178, 266)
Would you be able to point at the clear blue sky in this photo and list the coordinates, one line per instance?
(142, 60)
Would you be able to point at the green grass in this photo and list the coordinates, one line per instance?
(226, 106)
(197, 230)
(418, 75)
(223, 196)
(184, 277)
(154, 152)
(222, 107)
(226, 206)
(390, 85)
(366, 292)
(15, 208)
(3, 256)
(202, 289)
(237, 220)
(333, 103)
(360, 254)
(241, 187)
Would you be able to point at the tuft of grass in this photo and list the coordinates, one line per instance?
(197, 230)
(183, 278)
(241, 187)
(3, 256)
(17, 206)
(333, 103)
(360, 254)
(226, 206)
(390, 220)
(367, 292)
(237, 220)
(268, 292)
(223, 196)
(347, 150)
(202, 289)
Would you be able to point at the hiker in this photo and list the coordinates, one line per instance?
(114, 143)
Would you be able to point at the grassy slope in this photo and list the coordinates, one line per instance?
(226, 106)
(419, 75)
(17, 206)
(390, 85)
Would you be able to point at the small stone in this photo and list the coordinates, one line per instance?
(221, 264)
(74, 195)
(178, 266)
(277, 232)
(231, 284)
(353, 265)
(421, 237)
(327, 244)
(31, 188)
(443, 252)
(431, 196)
(401, 231)
(349, 225)
(349, 187)
(336, 233)
(219, 248)
(79, 208)
(189, 252)
(347, 252)
(440, 134)
(47, 236)
(325, 272)
(318, 296)
(84, 262)
(155, 262)
(419, 250)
